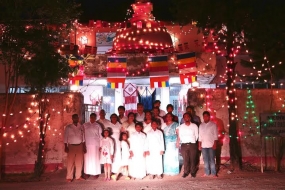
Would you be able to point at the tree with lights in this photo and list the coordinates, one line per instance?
(224, 23)
(266, 47)
(45, 70)
(26, 28)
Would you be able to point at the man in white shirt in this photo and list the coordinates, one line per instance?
(196, 119)
(155, 150)
(137, 165)
(188, 135)
(208, 137)
(140, 114)
(75, 148)
(157, 103)
(92, 131)
(105, 123)
(121, 111)
(156, 114)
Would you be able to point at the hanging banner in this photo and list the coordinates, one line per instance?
(116, 72)
(187, 67)
(158, 71)
(131, 96)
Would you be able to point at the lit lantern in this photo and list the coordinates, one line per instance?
(139, 24)
(84, 40)
(148, 24)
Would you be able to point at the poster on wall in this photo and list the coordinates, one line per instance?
(272, 124)
(105, 38)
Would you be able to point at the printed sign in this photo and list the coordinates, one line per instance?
(105, 38)
(272, 124)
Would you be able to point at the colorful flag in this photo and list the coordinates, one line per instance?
(115, 82)
(187, 67)
(159, 71)
(116, 72)
(76, 80)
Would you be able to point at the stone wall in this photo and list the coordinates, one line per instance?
(251, 141)
(20, 141)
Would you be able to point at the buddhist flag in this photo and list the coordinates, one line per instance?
(187, 67)
(76, 80)
(116, 72)
(158, 71)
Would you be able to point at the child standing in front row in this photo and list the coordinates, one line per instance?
(125, 147)
(107, 153)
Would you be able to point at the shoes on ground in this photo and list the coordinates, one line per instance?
(127, 178)
(151, 176)
(80, 179)
(68, 180)
(204, 175)
(214, 176)
(86, 176)
(159, 176)
(96, 177)
(185, 175)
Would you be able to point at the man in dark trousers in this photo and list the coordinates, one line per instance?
(188, 136)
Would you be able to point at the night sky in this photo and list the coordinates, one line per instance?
(115, 10)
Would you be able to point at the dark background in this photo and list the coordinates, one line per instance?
(116, 10)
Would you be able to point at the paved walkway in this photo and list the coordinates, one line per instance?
(226, 180)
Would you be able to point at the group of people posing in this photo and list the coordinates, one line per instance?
(140, 144)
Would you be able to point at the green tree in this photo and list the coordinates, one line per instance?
(224, 21)
(24, 26)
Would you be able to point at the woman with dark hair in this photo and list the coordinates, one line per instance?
(129, 125)
(137, 166)
(115, 127)
(147, 121)
(171, 155)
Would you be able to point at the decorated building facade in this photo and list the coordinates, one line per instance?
(140, 57)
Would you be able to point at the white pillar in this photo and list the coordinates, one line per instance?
(119, 99)
(164, 98)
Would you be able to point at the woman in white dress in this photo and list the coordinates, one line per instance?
(116, 129)
(107, 153)
(129, 125)
(147, 122)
